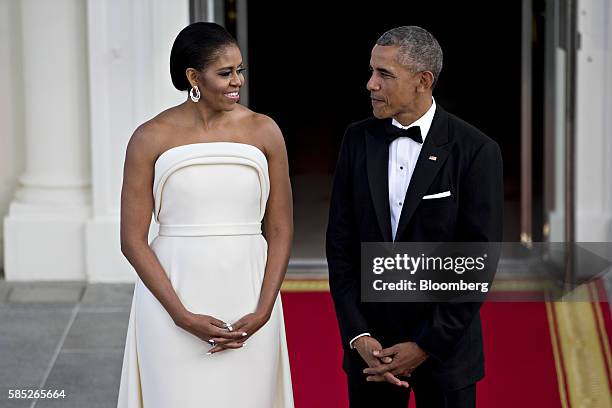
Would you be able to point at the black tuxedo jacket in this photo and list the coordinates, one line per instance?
(468, 164)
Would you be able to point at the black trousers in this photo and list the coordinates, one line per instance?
(363, 394)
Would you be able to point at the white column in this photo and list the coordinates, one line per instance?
(12, 162)
(44, 231)
(594, 123)
(129, 59)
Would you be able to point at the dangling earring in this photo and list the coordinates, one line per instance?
(194, 96)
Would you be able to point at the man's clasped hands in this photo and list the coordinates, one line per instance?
(389, 364)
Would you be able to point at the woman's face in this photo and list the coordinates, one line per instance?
(221, 80)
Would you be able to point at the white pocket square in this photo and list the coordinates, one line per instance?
(438, 195)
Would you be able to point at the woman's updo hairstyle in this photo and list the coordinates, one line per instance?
(196, 46)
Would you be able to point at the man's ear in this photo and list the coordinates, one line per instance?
(426, 81)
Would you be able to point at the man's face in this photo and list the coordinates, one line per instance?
(393, 88)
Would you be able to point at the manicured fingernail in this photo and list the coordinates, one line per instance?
(243, 344)
(209, 353)
(243, 334)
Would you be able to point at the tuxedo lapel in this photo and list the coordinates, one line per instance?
(377, 163)
(433, 155)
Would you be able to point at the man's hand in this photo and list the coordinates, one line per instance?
(406, 358)
(369, 349)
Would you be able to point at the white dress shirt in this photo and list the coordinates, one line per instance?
(403, 155)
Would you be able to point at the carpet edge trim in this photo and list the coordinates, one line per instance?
(561, 383)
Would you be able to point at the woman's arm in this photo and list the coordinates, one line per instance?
(278, 221)
(136, 208)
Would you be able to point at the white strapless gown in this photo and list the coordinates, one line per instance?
(210, 199)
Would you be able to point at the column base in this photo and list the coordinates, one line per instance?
(105, 262)
(45, 243)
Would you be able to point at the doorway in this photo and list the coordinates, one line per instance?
(308, 71)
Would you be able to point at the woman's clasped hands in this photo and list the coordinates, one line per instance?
(221, 335)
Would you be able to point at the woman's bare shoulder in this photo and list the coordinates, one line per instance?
(264, 130)
(252, 120)
(154, 136)
(270, 134)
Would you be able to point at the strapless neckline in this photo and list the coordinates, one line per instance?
(183, 146)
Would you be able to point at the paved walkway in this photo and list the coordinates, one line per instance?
(63, 336)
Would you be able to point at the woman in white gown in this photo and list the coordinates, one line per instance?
(206, 327)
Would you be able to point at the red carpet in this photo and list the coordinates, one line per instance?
(519, 361)
(315, 350)
(520, 366)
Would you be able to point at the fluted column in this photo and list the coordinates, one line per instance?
(44, 231)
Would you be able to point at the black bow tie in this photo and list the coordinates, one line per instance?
(393, 132)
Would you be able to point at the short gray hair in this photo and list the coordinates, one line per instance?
(418, 49)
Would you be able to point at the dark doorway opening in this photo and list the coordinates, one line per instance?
(308, 66)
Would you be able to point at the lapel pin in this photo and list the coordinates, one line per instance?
(433, 158)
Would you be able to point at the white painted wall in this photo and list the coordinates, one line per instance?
(594, 123)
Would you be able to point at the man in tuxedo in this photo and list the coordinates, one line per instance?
(410, 149)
